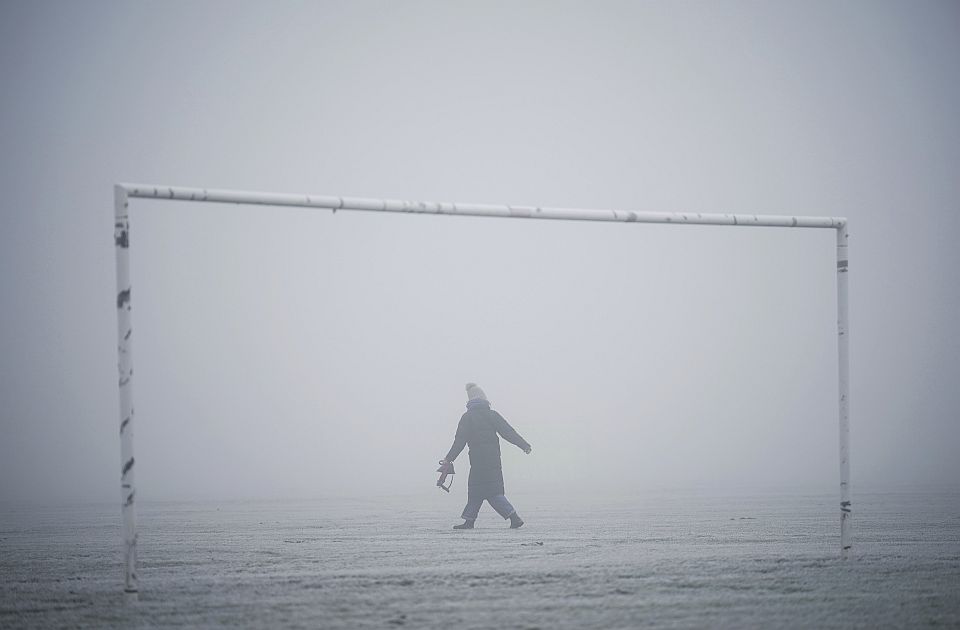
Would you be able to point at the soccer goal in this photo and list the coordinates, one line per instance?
(124, 192)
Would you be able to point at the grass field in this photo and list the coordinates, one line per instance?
(665, 560)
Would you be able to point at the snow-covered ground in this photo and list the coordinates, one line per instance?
(678, 560)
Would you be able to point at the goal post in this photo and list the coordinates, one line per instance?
(124, 192)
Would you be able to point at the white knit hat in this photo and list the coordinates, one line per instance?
(474, 392)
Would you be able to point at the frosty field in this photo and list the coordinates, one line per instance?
(669, 560)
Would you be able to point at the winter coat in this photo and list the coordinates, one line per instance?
(479, 427)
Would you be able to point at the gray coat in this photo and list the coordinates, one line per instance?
(478, 428)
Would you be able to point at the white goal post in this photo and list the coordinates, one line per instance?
(123, 193)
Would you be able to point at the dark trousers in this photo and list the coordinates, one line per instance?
(497, 502)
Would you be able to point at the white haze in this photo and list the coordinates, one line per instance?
(285, 353)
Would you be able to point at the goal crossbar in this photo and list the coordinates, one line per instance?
(123, 193)
(328, 202)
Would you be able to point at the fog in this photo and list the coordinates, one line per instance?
(286, 352)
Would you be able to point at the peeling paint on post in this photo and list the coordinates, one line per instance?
(121, 237)
(843, 362)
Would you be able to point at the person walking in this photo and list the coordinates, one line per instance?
(479, 428)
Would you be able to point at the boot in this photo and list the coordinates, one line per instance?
(515, 521)
(467, 524)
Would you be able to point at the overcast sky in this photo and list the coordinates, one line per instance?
(291, 352)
